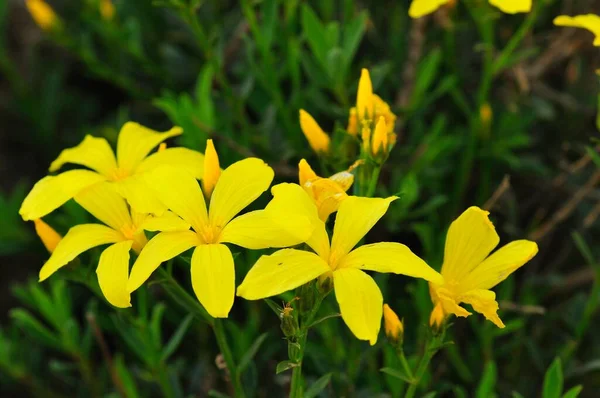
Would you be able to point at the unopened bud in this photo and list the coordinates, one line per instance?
(394, 330)
(289, 323)
(436, 319)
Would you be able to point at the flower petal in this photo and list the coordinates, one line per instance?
(104, 203)
(484, 302)
(47, 234)
(51, 192)
(239, 185)
(212, 169)
(136, 141)
(140, 196)
(360, 301)
(471, 238)
(390, 257)
(183, 159)
(166, 222)
(344, 179)
(93, 152)
(590, 22)
(420, 8)
(281, 271)
(500, 265)
(113, 271)
(79, 239)
(356, 216)
(305, 172)
(364, 96)
(318, 140)
(512, 6)
(162, 247)
(181, 193)
(213, 278)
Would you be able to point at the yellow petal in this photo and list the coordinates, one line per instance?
(239, 185)
(360, 301)
(104, 203)
(356, 216)
(590, 22)
(182, 159)
(79, 239)
(43, 15)
(500, 265)
(317, 139)
(51, 192)
(319, 241)
(162, 247)
(305, 172)
(327, 195)
(449, 301)
(512, 6)
(141, 197)
(281, 271)
(213, 278)
(344, 179)
(471, 238)
(181, 193)
(484, 302)
(390, 257)
(166, 222)
(364, 97)
(47, 234)
(393, 326)
(436, 319)
(212, 169)
(380, 137)
(420, 8)
(113, 271)
(136, 141)
(352, 122)
(93, 152)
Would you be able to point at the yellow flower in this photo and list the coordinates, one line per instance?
(469, 271)
(47, 234)
(123, 231)
(43, 15)
(107, 9)
(124, 172)
(436, 319)
(420, 8)
(370, 110)
(590, 22)
(318, 140)
(327, 193)
(393, 326)
(212, 268)
(359, 298)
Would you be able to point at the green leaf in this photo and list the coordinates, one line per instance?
(176, 338)
(203, 96)
(249, 355)
(35, 328)
(155, 325)
(315, 34)
(352, 35)
(216, 394)
(317, 386)
(487, 383)
(397, 373)
(573, 392)
(126, 377)
(593, 154)
(553, 381)
(285, 365)
(276, 308)
(426, 75)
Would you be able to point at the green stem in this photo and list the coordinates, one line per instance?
(219, 330)
(404, 363)
(421, 369)
(164, 381)
(373, 182)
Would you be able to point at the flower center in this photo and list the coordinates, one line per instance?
(210, 234)
(119, 174)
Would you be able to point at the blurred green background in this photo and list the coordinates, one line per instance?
(493, 110)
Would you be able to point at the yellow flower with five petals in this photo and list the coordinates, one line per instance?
(123, 230)
(124, 171)
(327, 193)
(590, 22)
(212, 266)
(359, 297)
(420, 8)
(469, 271)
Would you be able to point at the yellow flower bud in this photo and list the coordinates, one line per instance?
(212, 170)
(436, 319)
(486, 114)
(107, 9)
(42, 14)
(317, 138)
(380, 137)
(394, 330)
(364, 97)
(366, 137)
(47, 234)
(352, 122)
(305, 172)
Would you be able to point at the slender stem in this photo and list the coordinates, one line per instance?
(373, 182)
(405, 364)
(219, 330)
(162, 375)
(421, 369)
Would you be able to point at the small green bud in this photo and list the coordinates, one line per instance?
(289, 323)
(294, 351)
(306, 295)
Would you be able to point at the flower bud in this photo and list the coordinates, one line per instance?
(49, 237)
(317, 138)
(43, 15)
(436, 319)
(394, 330)
(289, 323)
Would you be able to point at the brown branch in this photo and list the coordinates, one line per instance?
(415, 50)
(114, 375)
(498, 193)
